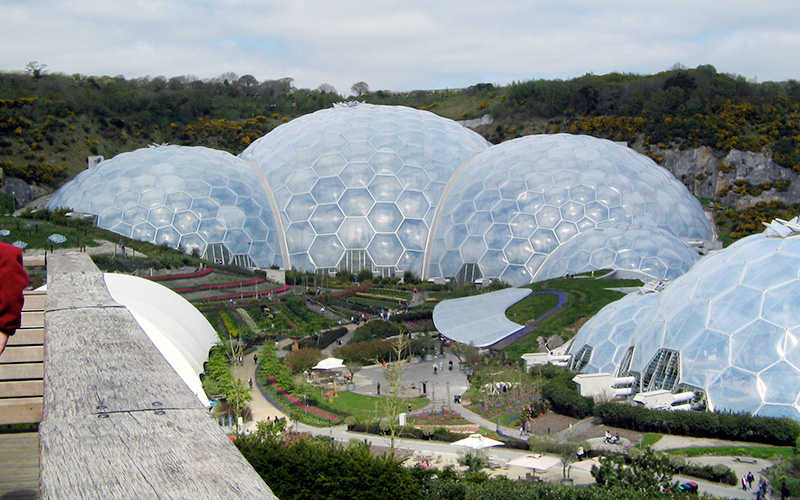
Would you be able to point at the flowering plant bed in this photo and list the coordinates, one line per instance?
(438, 419)
(219, 285)
(250, 294)
(463, 429)
(299, 404)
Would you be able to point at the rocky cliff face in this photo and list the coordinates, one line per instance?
(23, 193)
(738, 179)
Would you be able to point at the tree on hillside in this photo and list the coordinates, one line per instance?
(359, 88)
(247, 81)
(326, 88)
(36, 70)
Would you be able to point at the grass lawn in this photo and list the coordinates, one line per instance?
(531, 307)
(400, 294)
(650, 439)
(509, 419)
(585, 297)
(764, 452)
(36, 232)
(366, 408)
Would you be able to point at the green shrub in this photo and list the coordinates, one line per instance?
(375, 329)
(366, 352)
(715, 473)
(412, 316)
(303, 359)
(323, 339)
(566, 400)
(729, 426)
(562, 393)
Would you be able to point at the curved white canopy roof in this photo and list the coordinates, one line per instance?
(179, 331)
(479, 320)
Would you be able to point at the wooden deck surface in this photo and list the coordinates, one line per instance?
(19, 466)
(118, 421)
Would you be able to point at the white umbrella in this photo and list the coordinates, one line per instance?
(535, 462)
(477, 442)
(329, 364)
(587, 464)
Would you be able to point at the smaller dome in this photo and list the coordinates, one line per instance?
(653, 253)
(192, 198)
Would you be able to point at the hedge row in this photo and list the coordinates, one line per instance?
(728, 426)
(715, 473)
(375, 330)
(566, 400)
(428, 433)
(412, 316)
(326, 338)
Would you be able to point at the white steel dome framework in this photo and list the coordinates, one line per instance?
(729, 329)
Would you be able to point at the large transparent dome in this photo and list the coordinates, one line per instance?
(730, 326)
(357, 186)
(510, 207)
(192, 198)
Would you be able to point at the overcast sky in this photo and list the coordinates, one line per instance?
(404, 45)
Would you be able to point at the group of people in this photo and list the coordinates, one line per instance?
(612, 439)
(763, 486)
(439, 367)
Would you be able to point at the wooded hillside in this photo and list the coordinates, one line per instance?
(50, 123)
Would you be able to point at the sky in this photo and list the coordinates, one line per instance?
(401, 45)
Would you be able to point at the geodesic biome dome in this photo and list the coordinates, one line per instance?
(510, 207)
(651, 252)
(729, 327)
(602, 343)
(193, 198)
(357, 186)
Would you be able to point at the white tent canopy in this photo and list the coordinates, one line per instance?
(535, 462)
(330, 364)
(477, 442)
(586, 465)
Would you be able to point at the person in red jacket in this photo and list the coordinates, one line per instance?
(13, 280)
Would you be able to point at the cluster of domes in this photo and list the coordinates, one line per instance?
(393, 189)
(729, 329)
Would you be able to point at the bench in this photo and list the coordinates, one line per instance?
(745, 460)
